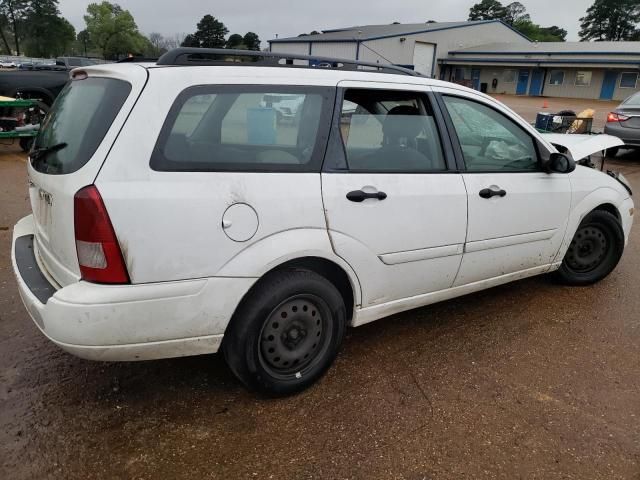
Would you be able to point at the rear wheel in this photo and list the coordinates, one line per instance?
(595, 250)
(287, 333)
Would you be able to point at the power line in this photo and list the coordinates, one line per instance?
(379, 54)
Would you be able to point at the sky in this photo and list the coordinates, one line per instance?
(286, 18)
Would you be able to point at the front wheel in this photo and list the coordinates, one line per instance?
(287, 333)
(595, 250)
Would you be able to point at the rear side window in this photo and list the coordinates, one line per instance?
(76, 125)
(245, 128)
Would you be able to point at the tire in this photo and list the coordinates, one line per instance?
(26, 143)
(270, 344)
(595, 250)
(611, 152)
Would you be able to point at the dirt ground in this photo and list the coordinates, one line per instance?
(529, 107)
(526, 381)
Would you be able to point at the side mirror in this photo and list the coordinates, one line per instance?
(560, 163)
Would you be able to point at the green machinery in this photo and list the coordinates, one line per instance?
(20, 119)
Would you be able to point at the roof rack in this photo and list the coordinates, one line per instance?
(223, 56)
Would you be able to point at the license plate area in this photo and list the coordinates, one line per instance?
(42, 206)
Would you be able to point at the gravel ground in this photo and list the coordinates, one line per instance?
(529, 380)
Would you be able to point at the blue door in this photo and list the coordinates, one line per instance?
(608, 85)
(523, 82)
(475, 78)
(537, 82)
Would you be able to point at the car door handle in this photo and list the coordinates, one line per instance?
(360, 196)
(489, 193)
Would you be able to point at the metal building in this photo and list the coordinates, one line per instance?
(597, 70)
(417, 46)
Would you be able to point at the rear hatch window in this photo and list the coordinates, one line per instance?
(77, 123)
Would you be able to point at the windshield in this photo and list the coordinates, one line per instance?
(79, 119)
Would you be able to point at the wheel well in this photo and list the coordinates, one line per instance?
(607, 207)
(329, 270)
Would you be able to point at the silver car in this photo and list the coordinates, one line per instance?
(624, 123)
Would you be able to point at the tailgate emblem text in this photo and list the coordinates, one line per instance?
(46, 197)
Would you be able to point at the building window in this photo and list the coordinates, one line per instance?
(556, 77)
(628, 80)
(509, 76)
(583, 78)
(461, 74)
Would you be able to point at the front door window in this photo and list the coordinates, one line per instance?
(490, 142)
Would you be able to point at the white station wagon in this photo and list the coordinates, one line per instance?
(174, 215)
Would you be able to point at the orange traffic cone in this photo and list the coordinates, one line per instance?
(545, 104)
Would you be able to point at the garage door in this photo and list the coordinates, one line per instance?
(423, 58)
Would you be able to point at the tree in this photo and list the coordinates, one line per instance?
(557, 32)
(4, 31)
(612, 20)
(14, 11)
(516, 12)
(211, 32)
(540, 34)
(190, 41)
(158, 44)
(314, 32)
(251, 41)
(113, 30)
(235, 41)
(47, 33)
(84, 39)
(487, 10)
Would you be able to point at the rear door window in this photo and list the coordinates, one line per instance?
(390, 131)
(78, 121)
(245, 129)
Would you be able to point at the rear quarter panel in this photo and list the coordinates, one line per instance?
(169, 224)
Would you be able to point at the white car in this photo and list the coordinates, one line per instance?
(285, 107)
(4, 63)
(172, 216)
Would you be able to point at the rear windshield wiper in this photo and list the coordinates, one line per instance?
(38, 153)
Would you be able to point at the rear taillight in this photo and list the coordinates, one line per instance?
(616, 117)
(98, 250)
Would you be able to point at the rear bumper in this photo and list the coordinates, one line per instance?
(630, 136)
(125, 322)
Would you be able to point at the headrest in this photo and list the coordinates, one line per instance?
(400, 124)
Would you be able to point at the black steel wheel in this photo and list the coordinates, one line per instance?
(286, 333)
(295, 335)
(595, 250)
(588, 249)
